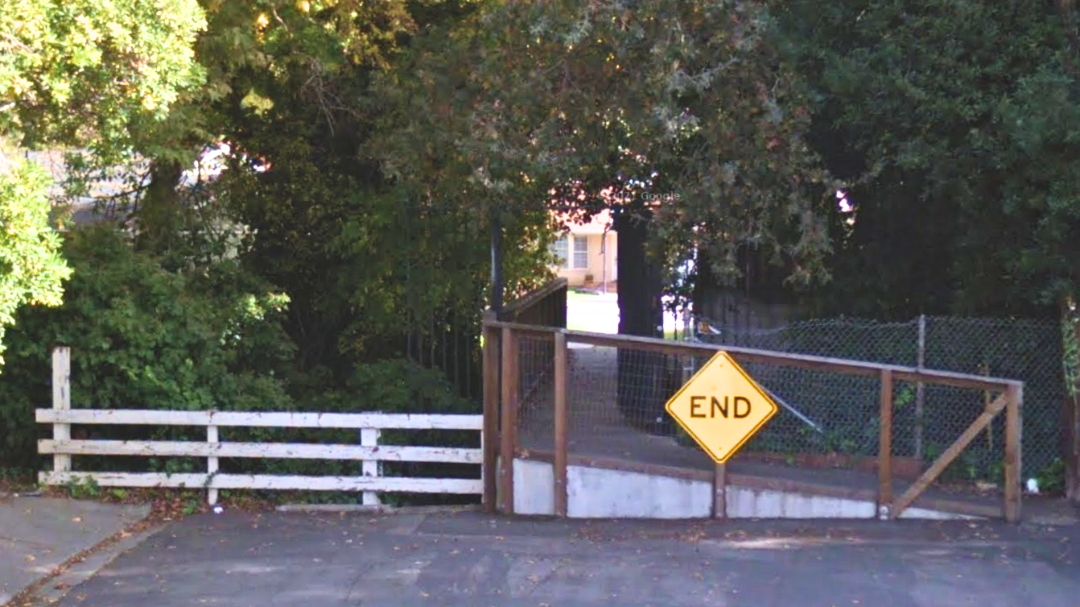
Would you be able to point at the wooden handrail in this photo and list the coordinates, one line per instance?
(850, 367)
(537, 295)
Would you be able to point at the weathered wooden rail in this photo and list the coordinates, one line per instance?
(369, 452)
(501, 393)
(545, 307)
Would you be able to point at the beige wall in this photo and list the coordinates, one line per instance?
(597, 260)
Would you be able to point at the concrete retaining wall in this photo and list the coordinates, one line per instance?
(603, 493)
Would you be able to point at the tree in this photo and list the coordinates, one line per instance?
(33, 269)
(587, 105)
(74, 73)
(957, 125)
(371, 265)
(680, 116)
(145, 336)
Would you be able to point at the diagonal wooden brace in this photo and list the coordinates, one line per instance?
(946, 458)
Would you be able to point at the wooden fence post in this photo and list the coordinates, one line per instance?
(560, 463)
(1013, 455)
(885, 493)
(720, 491)
(1071, 448)
(489, 436)
(211, 465)
(920, 388)
(369, 437)
(1071, 426)
(61, 386)
(508, 434)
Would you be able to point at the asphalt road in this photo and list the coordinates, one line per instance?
(471, 560)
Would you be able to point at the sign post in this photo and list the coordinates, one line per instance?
(721, 407)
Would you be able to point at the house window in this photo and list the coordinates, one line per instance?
(561, 253)
(581, 252)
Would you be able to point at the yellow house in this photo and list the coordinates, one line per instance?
(587, 252)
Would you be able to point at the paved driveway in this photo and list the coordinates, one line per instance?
(599, 313)
(471, 560)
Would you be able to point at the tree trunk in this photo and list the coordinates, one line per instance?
(640, 285)
(159, 216)
(642, 378)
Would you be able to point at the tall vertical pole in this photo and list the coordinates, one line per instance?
(719, 508)
(490, 435)
(885, 490)
(560, 459)
(1013, 454)
(508, 385)
(1071, 411)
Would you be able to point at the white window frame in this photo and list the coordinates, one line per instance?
(562, 261)
(584, 252)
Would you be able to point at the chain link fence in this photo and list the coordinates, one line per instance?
(536, 400)
(616, 397)
(927, 419)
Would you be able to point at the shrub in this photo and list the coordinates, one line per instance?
(144, 337)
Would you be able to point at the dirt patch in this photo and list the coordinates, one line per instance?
(16, 482)
(167, 505)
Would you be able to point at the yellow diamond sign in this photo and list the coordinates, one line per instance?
(721, 407)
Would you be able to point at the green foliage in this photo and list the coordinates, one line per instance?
(957, 125)
(191, 506)
(596, 104)
(86, 488)
(368, 264)
(399, 386)
(79, 70)
(1051, 478)
(76, 72)
(31, 269)
(182, 316)
(146, 337)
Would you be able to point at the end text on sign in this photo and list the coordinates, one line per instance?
(737, 407)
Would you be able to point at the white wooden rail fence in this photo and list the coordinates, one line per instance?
(369, 452)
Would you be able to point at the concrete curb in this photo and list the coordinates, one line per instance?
(54, 586)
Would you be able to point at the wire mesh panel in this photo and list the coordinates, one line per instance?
(1028, 350)
(616, 400)
(828, 429)
(820, 411)
(536, 403)
(851, 339)
(827, 413)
